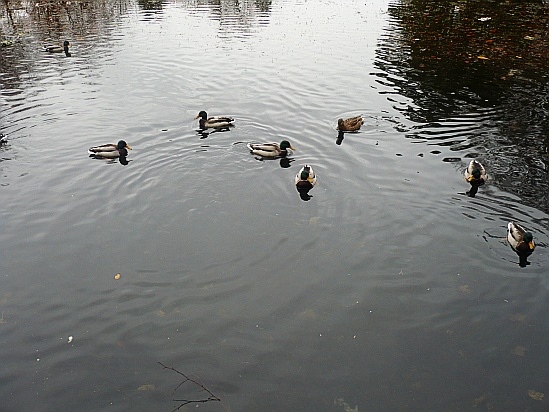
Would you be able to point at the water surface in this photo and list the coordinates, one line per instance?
(389, 289)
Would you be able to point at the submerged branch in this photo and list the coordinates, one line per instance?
(202, 387)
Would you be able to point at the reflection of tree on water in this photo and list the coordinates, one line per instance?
(235, 16)
(483, 61)
(150, 4)
(50, 21)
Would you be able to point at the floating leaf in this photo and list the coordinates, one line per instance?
(346, 406)
(519, 351)
(517, 317)
(117, 276)
(480, 400)
(482, 58)
(146, 388)
(538, 396)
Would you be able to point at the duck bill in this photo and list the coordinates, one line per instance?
(291, 147)
(470, 178)
(128, 147)
(197, 116)
(531, 245)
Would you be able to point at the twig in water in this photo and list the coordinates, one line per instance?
(184, 402)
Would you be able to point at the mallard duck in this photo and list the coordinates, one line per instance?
(350, 125)
(270, 149)
(58, 49)
(305, 178)
(520, 240)
(475, 173)
(214, 122)
(110, 151)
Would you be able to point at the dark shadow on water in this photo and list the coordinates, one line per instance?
(474, 189)
(285, 162)
(205, 133)
(304, 194)
(523, 261)
(123, 160)
(340, 137)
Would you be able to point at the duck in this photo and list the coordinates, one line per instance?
(475, 173)
(270, 149)
(58, 49)
(3, 138)
(305, 179)
(350, 125)
(214, 122)
(110, 151)
(520, 240)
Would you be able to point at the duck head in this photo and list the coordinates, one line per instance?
(202, 115)
(529, 239)
(284, 145)
(122, 145)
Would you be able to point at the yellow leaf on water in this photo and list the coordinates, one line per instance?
(146, 388)
(117, 276)
(465, 289)
(517, 317)
(519, 351)
(480, 400)
(483, 58)
(538, 396)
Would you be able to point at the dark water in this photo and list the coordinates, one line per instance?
(388, 290)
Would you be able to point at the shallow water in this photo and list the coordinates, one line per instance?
(388, 290)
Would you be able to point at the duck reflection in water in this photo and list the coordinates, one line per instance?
(340, 137)
(205, 133)
(521, 241)
(285, 162)
(123, 160)
(305, 180)
(476, 175)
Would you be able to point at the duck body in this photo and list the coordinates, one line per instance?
(270, 150)
(110, 151)
(214, 122)
(305, 179)
(520, 240)
(475, 173)
(350, 125)
(58, 49)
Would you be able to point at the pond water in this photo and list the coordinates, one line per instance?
(388, 290)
